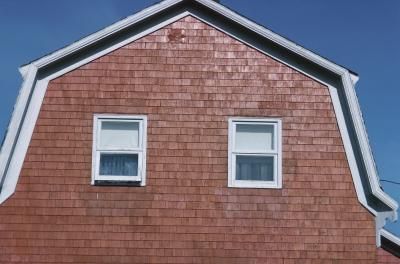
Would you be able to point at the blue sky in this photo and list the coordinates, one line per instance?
(362, 35)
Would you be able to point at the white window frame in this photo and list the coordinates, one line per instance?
(276, 153)
(140, 150)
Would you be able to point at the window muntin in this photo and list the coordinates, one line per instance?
(119, 149)
(254, 153)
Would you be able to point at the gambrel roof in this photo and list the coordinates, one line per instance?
(339, 80)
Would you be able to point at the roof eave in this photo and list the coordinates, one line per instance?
(390, 242)
(349, 82)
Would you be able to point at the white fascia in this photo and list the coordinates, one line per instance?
(366, 151)
(354, 78)
(380, 217)
(24, 70)
(10, 166)
(366, 154)
(389, 236)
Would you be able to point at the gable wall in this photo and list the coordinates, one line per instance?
(188, 78)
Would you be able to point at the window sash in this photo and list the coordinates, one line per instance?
(275, 167)
(119, 177)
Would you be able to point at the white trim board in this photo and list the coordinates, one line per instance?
(32, 93)
(389, 236)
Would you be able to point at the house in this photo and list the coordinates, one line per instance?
(187, 133)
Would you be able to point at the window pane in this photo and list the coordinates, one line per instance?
(254, 137)
(120, 135)
(119, 164)
(254, 168)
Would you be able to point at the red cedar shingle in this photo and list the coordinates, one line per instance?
(384, 257)
(188, 78)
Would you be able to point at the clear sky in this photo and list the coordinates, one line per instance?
(363, 35)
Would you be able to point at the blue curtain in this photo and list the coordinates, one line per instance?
(119, 164)
(254, 168)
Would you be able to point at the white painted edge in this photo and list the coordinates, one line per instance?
(390, 236)
(380, 217)
(24, 71)
(348, 148)
(361, 132)
(232, 182)
(354, 79)
(13, 130)
(16, 157)
(348, 79)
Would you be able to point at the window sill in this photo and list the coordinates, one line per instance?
(118, 183)
(254, 185)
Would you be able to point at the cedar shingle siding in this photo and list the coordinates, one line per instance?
(188, 78)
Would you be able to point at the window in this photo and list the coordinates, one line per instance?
(119, 149)
(255, 155)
